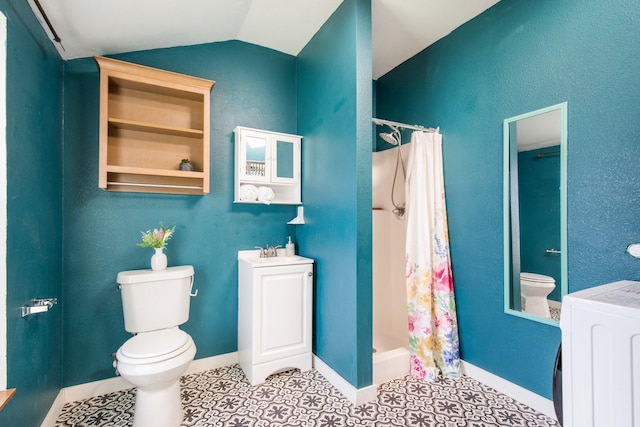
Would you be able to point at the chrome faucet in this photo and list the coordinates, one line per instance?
(268, 252)
(272, 251)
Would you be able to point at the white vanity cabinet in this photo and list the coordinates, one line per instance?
(275, 300)
(270, 159)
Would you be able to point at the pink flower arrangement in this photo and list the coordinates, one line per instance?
(157, 238)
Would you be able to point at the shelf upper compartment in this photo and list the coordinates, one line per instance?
(149, 127)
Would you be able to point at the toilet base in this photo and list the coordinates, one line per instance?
(538, 306)
(158, 400)
(158, 407)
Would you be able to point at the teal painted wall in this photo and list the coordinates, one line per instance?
(517, 57)
(34, 216)
(539, 190)
(255, 87)
(334, 115)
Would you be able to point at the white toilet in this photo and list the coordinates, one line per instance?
(534, 289)
(155, 303)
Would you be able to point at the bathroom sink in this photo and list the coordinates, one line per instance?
(253, 258)
(277, 259)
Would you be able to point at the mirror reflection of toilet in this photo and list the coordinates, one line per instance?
(534, 289)
(154, 304)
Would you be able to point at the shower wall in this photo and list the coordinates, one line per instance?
(390, 334)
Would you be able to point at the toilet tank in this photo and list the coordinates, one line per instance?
(153, 300)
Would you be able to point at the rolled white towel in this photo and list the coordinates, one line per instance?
(265, 195)
(248, 193)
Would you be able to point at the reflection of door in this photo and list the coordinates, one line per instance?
(3, 204)
(539, 212)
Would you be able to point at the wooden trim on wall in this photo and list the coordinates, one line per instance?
(5, 396)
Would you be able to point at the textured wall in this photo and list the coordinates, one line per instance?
(255, 87)
(34, 216)
(334, 114)
(517, 57)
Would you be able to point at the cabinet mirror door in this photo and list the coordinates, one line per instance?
(255, 155)
(286, 161)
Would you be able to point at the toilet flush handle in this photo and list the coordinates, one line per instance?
(191, 293)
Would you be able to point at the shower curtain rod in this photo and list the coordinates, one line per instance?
(382, 122)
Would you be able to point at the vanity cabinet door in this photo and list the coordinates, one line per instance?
(282, 312)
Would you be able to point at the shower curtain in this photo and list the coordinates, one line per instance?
(433, 327)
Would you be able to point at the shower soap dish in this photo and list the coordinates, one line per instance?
(300, 218)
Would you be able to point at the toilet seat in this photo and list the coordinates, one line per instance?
(154, 347)
(537, 279)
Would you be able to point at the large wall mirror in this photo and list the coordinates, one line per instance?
(535, 213)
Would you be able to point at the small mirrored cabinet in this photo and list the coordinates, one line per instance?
(151, 121)
(267, 167)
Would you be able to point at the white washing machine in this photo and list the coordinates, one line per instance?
(601, 356)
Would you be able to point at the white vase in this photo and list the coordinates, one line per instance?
(159, 260)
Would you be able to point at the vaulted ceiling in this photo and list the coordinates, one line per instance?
(401, 28)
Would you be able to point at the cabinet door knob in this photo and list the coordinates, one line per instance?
(310, 274)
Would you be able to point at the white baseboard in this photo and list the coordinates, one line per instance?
(111, 385)
(356, 396)
(521, 394)
(213, 362)
(391, 364)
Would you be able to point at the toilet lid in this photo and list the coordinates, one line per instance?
(156, 346)
(534, 277)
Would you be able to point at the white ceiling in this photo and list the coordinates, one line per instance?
(401, 28)
(540, 131)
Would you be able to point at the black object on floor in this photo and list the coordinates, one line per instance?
(557, 384)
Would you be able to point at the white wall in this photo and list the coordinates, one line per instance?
(389, 237)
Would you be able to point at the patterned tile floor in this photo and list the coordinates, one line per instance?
(223, 397)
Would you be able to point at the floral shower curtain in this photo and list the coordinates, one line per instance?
(433, 326)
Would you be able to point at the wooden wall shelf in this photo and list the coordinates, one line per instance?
(150, 120)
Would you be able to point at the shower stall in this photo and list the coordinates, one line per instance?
(390, 334)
